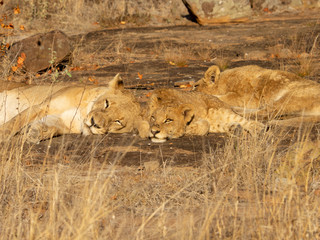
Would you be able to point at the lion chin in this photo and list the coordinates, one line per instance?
(158, 140)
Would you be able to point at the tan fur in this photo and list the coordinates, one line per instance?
(267, 93)
(174, 113)
(45, 111)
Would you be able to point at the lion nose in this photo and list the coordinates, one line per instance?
(92, 121)
(154, 131)
(93, 124)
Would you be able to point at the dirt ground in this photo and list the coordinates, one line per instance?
(151, 57)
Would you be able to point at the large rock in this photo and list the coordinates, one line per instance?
(206, 11)
(41, 50)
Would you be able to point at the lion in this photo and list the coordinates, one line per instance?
(45, 111)
(173, 114)
(266, 93)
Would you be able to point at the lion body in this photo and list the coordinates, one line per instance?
(267, 93)
(46, 111)
(175, 113)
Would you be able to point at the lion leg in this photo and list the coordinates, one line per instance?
(13, 126)
(143, 128)
(225, 120)
(45, 128)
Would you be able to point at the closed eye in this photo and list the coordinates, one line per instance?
(168, 120)
(106, 104)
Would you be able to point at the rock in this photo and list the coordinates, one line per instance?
(210, 11)
(41, 50)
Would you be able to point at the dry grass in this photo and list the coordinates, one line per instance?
(252, 188)
(245, 191)
(299, 54)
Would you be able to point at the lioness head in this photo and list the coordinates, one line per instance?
(116, 111)
(167, 122)
(115, 114)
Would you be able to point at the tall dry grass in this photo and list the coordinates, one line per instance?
(251, 188)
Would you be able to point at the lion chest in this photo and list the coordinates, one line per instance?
(72, 119)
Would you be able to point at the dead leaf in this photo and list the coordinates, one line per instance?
(185, 86)
(274, 55)
(16, 10)
(93, 80)
(172, 63)
(20, 61)
(23, 55)
(140, 75)
(9, 26)
(22, 27)
(14, 68)
(76, 68)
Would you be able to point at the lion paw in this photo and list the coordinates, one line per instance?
(33, 135)
(39, 132)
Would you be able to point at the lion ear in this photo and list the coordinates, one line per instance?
(116, 83)
(154, 102)
(188, 113)
(155, 98)
(212, 74)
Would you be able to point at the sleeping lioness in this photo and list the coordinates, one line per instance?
(267, 93)
(44, 111)
(174, 113)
